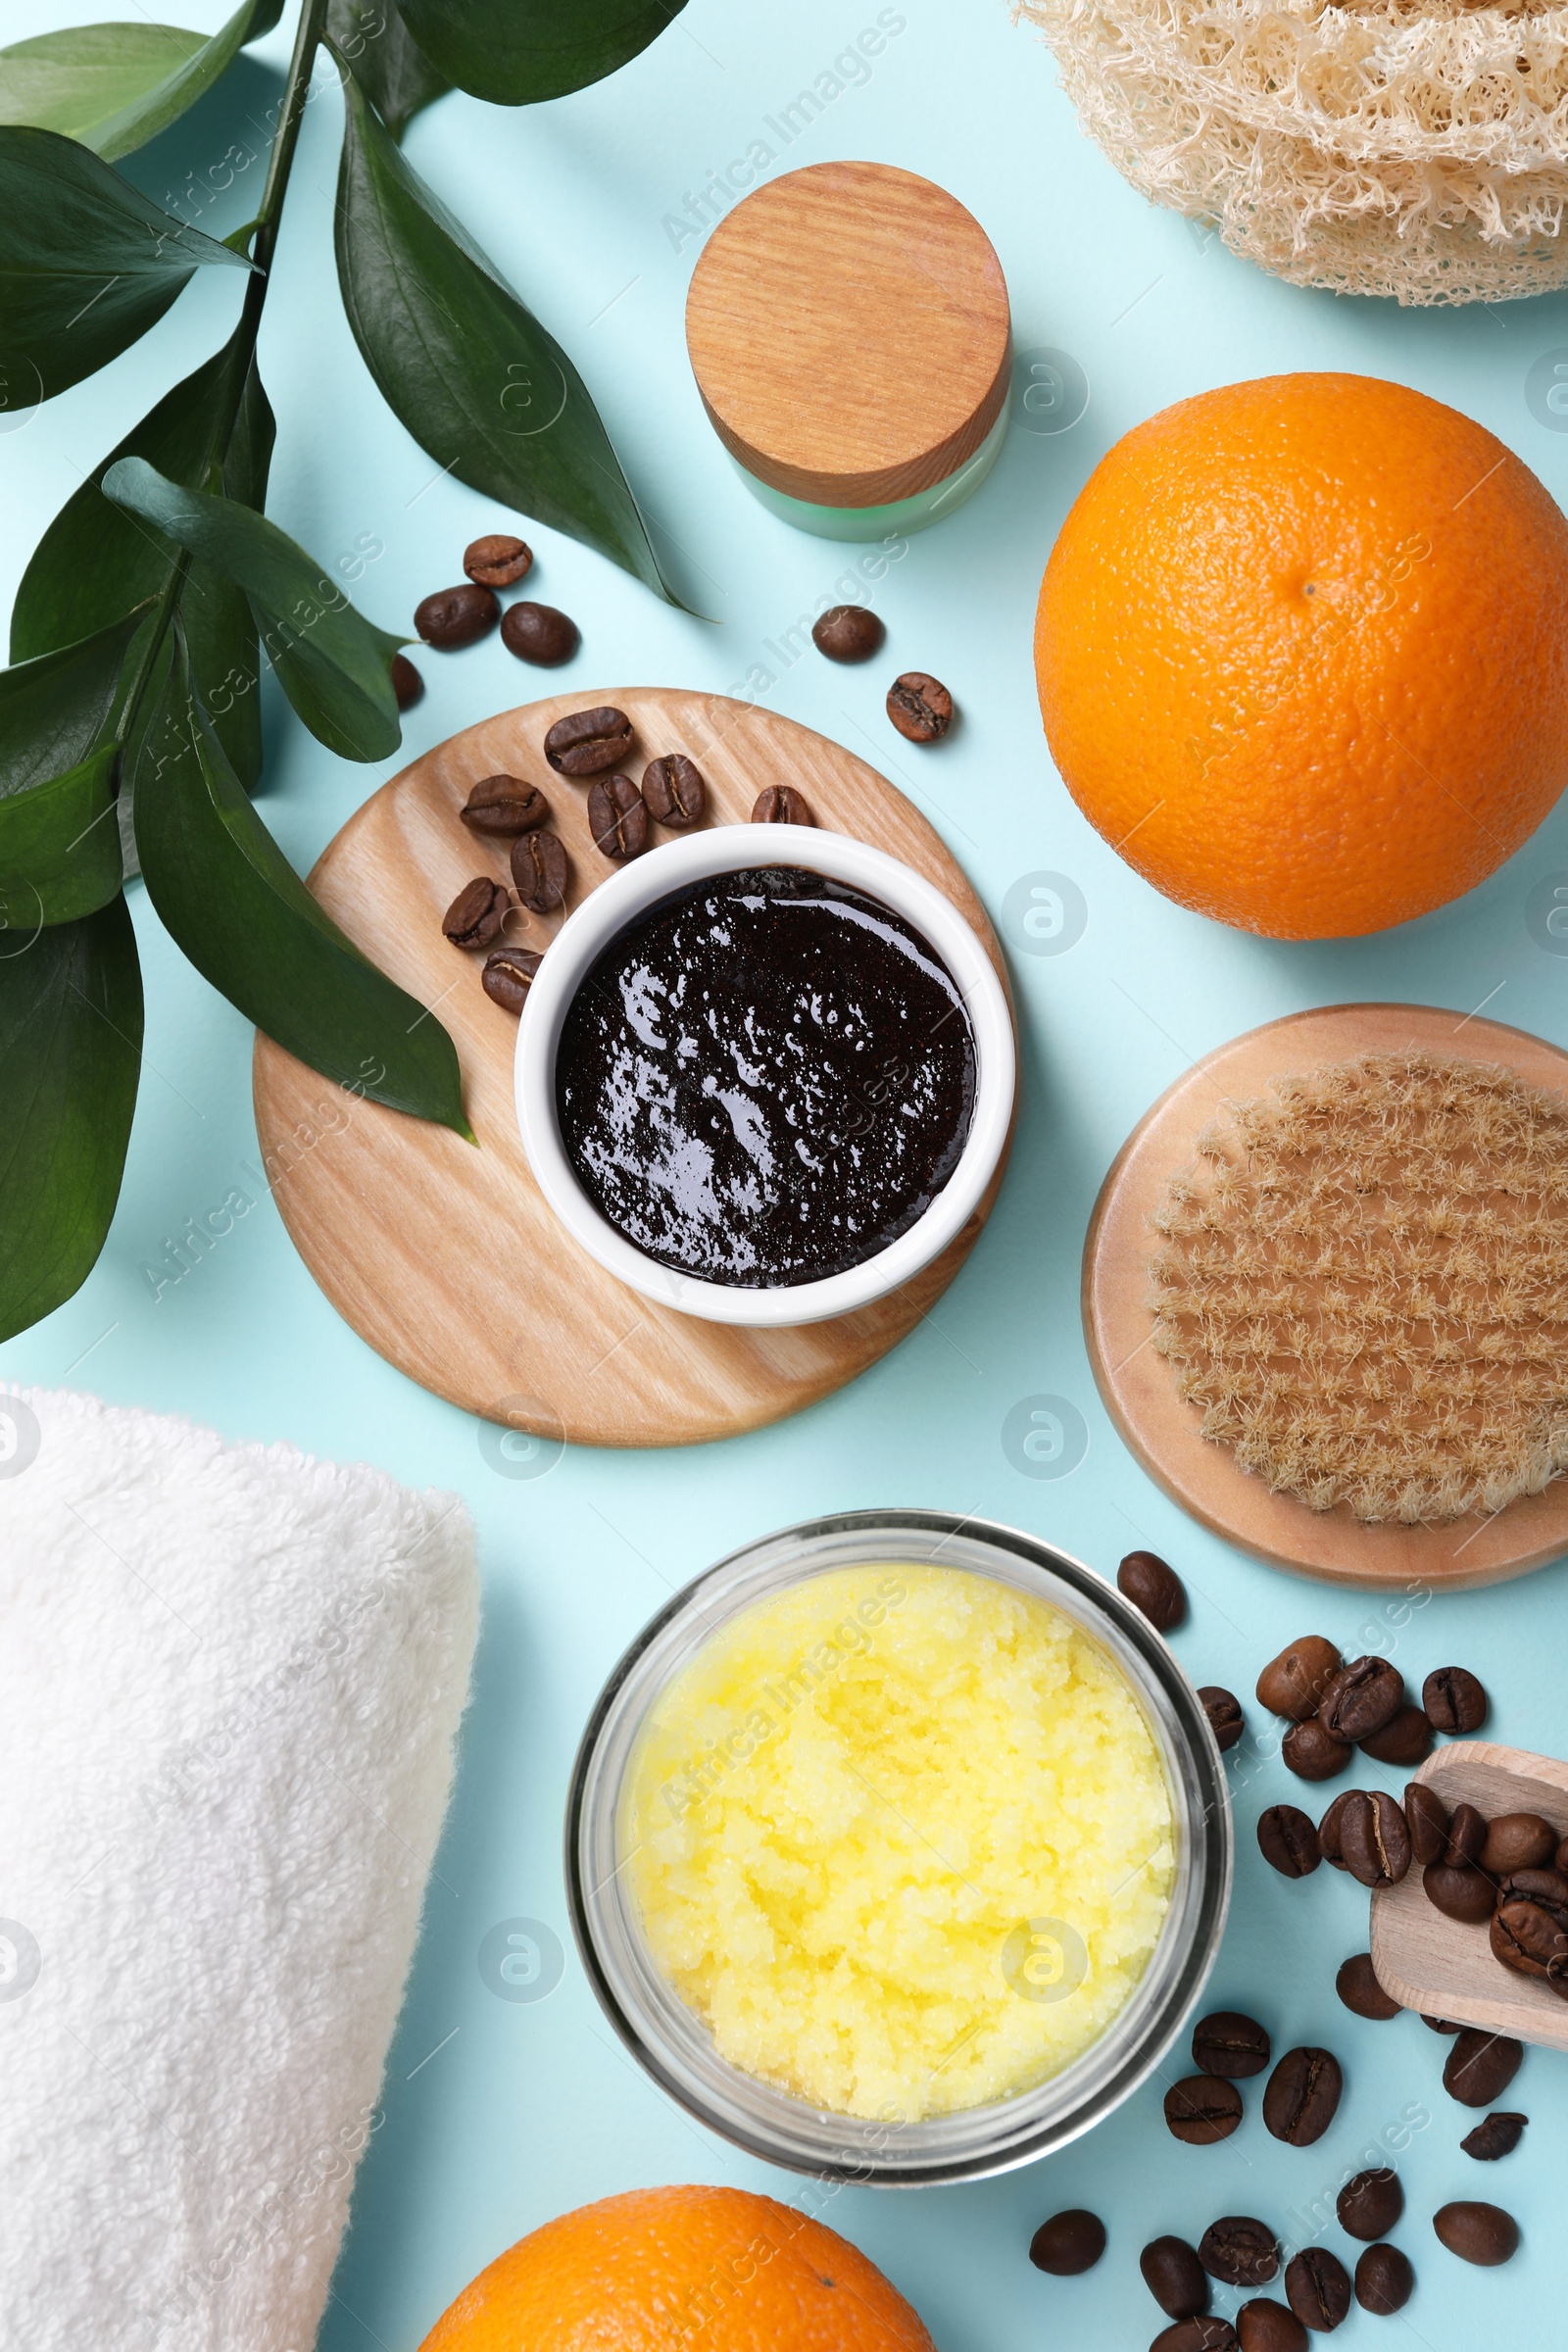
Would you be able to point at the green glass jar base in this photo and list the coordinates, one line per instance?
(898, 517)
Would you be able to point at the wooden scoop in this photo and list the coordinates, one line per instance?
(1437, 1965)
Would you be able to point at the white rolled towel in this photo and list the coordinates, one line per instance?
(230, 1681)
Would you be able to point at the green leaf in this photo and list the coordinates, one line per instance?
(470, 373)
(387, 60)
(333, 665)
(249, 925)
(60, 720)
(86, 264)
(96, 562)
(70, 1026)
(115, 86)
(514, 50)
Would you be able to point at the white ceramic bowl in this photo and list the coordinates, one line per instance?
(730, 848)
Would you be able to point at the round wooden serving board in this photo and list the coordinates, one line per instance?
(446, 1258)
(1138, 1386)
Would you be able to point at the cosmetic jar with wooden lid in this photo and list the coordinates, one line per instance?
(849, 331)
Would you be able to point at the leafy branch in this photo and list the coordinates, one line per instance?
(161, 593)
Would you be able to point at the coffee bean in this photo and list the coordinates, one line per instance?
(1481, 2066)
(1361, 1699)
(1225, 1718)
(1358, 1988)
(1479, 2234)
(1328, 1829)
(1069, 2244)
(1384, 2280)
(1467, 1834)
(1547, 1888)
(503, 806)
(1562, 1856)
(1454, 1701)
(585, 743)
(1230, 2044)
(1302, 2096)
(616, 818)
(1369, 2205)
(1239, 2251)
(1373, 1842)
(1460, 1891)
(1438, 2025)
(1317, 2287)
(508, 974)
(673, 790)
(407, 687)
(1518, 1842)
(1152, 1586)
(1403, 1740)
(847, 634)
(1174, 2277)
(1266, 2327)
(539, 871)
(1530, 1939)
(1209, 2333)
(1293, 1683)
(539, 634)
(920, 707)
(1287, 1842)
(781, 805)
(475, 915)
(1498, 2135)
(456, 616)
(1202, 2109)
(1427, 1819)
(497, 561)
(1312, 1753)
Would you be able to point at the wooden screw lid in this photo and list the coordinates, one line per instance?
(848, 327)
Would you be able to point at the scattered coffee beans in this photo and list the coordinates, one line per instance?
(1361, 1699)
(920, 707)
(1384, 2280)
(1230, 2044)
(508, 974)
(1202, 2109)
(1206, 2335)
(1174, 2277)
(1266, 2327)
(616, 818)
(1302, 2095)
(1454, 1699)
(1479, 2234)
(1369, 2205)
(1562, 1856)
(539, 634)
(587, 742)
(1225, 1718)
(1438, 2025)
(407, 684)
(1373, 1842)
(673, 790)
(1152, 1586)
(1460, 1891)
(1317, 2287)
(1239, 2251)
(475, 915)
(1427, 1819)
(503, 806)
(1481, 2066)
(1069, 2244)
(1287, 1842)
(781, 805)
(1328, 1829)
(1403, 1740)
(1312, 1753)
(847, 634)
(1518, 1842)
(1358, 1988)
(456, 616)
(497, 561)
(539, 871)
(1293, 1683)
(1498, 2135)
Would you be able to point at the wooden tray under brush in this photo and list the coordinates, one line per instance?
(446, 1258)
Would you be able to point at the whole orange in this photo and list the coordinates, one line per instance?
(716, 2268)
(1302, 652)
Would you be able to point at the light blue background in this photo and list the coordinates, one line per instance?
(525, 2110)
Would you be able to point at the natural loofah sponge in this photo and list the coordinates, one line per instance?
(1364, 1286)
(1375, 148)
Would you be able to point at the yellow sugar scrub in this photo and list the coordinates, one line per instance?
(902, 1837)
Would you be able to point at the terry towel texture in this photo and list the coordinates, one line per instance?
(230, 1680)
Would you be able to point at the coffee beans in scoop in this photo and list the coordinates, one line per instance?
(1174, 2277)
(1369, 2205)
(1264, 2326)
(508, 974)
(1476, 2232)
(475, 915)
(1069, 2244)
(502, 807)
(407, 687)
(1358, 1988)
(1287, 1842)
(919, 706)
(1231, 2044)
(1517, 1841)
(589, 743)
(1203, 2110)
(1497, 2137)
(1317, 2287)
(781, 805)
(1152, 1586)
(1384, 2281)
(1225, 1718)
(1239, 2251)
(1293, 1683)
(673, 790)
(847, 634)
(1426, 1818)
(497, 561)
(1303, 2097)
(1481, 2066)
(456, 616)
(539, 634)
(1454, 1700)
